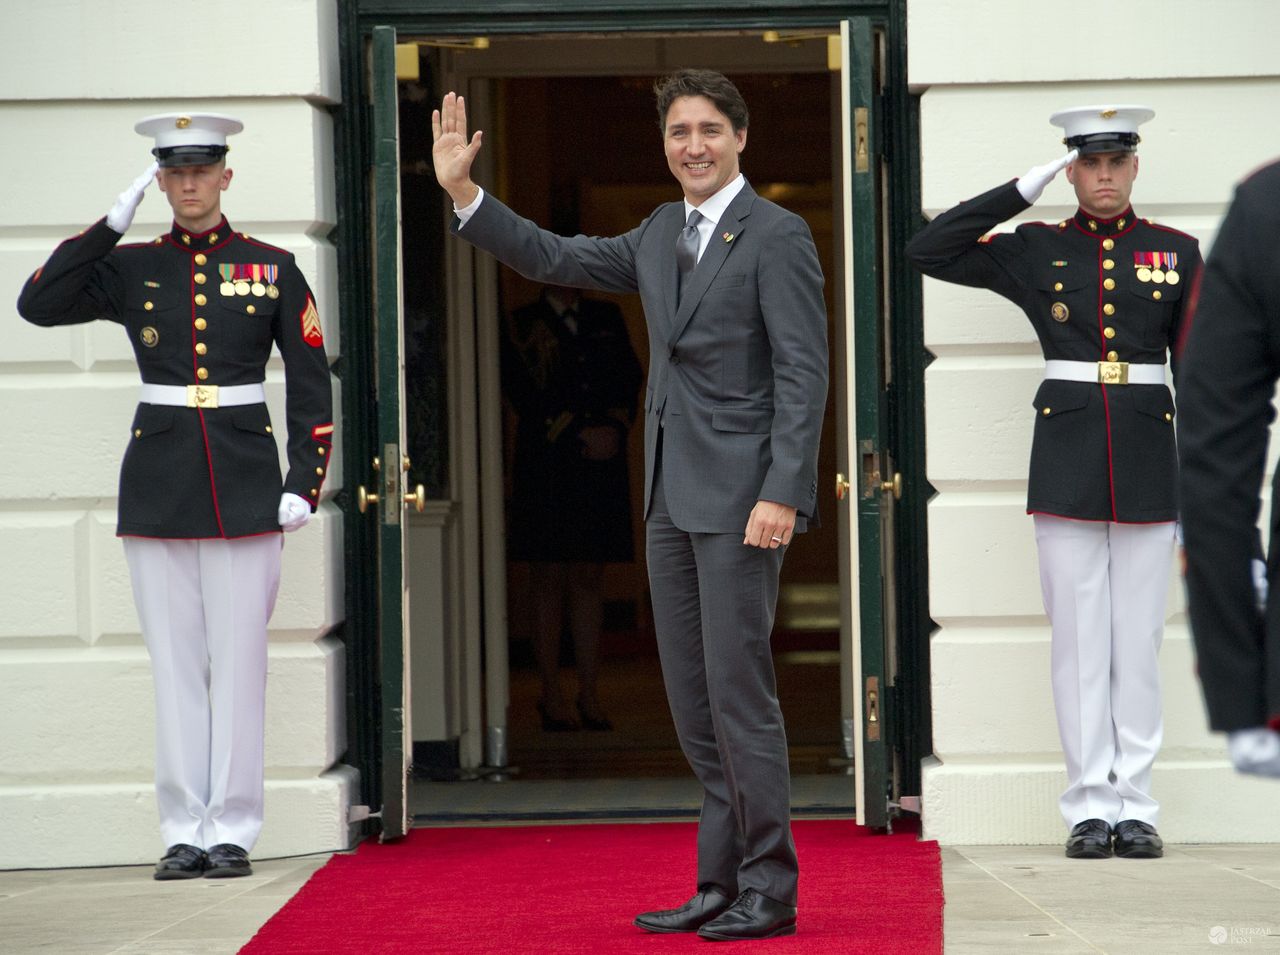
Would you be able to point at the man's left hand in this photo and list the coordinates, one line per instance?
(770, 525)
(294, 512)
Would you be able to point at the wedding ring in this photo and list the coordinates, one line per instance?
(778, 539)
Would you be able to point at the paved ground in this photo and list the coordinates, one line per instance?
(1014, 899)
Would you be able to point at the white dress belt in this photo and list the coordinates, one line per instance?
(1106, 372)
(203, 396)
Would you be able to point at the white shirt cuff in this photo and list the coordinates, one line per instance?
(469, 210)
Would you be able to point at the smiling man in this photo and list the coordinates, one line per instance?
(202, 502)
(1104, 291)
(732, 294)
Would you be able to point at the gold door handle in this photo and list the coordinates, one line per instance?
(842, 487)
(418, 499)
(364, 498)
(894, 486)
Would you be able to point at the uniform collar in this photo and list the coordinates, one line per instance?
(200, 241)
(1092, 225)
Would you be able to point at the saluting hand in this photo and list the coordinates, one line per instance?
(1033, 181)
(121, 215)
(451, 153)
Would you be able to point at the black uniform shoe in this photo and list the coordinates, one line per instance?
(227, 861)
(181, 861)
(702, 908)
(1090, 839)
(752, 916)
(1138, 840)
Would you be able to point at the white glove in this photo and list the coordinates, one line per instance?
(1259, 569)
(294, 512)
(121, 215)
(1255, 751)
(1033, 181)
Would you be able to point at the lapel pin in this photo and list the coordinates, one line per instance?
(728, 236)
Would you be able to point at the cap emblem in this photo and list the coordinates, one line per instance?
(182, 122)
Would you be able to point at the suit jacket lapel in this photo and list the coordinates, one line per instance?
(731, 225)
(670, 270)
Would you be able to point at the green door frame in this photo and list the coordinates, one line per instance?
(905, 705)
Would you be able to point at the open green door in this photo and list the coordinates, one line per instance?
(866, 485)
(386, 470)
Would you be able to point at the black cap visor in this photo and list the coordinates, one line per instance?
(1108, 142)
(189, 155)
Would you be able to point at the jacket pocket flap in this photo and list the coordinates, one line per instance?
(253, 418)
(743, 420)
(1057, 397)
(152, 419)
(1154, 401)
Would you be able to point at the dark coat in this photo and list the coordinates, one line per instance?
(1226, 380)
(200, 473)
(1099, 452)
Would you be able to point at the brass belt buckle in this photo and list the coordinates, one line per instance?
(202, 396)
(1113, 372)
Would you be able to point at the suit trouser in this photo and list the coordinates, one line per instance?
(713, 605)
(204, 607)
(1105, 587)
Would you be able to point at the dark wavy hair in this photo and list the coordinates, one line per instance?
(714, 86)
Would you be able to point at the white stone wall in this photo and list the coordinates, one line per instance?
(991, 72)
(76, 723)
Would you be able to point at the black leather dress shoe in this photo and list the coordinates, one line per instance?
(702, 908)
(1138, 840)
(181, 861)
(752, 916)
(1090, 839)
(227, 861)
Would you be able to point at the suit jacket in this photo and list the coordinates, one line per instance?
(195, 472)
(1099, 452)
(737, 367)
(1226, 382)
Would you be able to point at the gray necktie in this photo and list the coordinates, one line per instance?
(687, 245)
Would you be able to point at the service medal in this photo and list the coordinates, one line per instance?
(1172, 277)
(228, 272)
(258, 289)
(1144, 274)
(242, 287)
(226, 288)
(271, 273)
(1060, 312)
(272, 292)
(1157, 276)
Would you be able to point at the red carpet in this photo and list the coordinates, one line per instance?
(551, 889)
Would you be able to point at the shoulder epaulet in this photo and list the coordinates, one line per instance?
(140, 245)
(1165, 228)
(258, 242)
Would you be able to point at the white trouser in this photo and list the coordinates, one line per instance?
(1105, 587)
(204, 607)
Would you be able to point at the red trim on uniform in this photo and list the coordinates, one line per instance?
(35, 276)
(1097, 520)
(1165, 228)
(265, 245)
(1106, 402)
(213, 485)
(240, 537)
(1273, 724)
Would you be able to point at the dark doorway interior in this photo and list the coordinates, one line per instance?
(584, 154)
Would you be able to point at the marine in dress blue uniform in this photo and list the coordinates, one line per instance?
(1226, 382)
(202, 500)
(1105, 292)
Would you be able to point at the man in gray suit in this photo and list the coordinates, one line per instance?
(732, 294)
